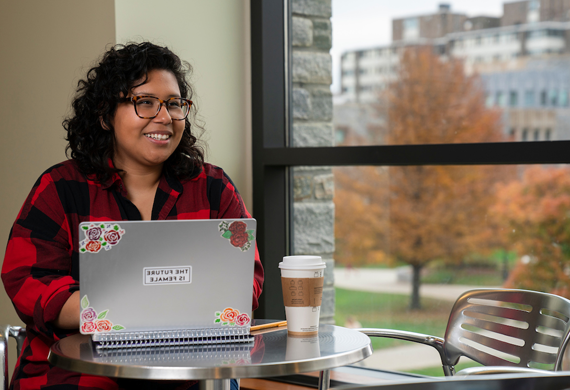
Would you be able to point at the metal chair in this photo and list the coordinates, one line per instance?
(518, 330)
(7, 331)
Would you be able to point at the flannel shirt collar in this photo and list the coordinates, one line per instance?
(167, 182)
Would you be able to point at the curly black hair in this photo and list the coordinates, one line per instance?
(97, 98)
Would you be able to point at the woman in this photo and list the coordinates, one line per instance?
(133, 157)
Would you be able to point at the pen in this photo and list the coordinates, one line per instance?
(270, 325)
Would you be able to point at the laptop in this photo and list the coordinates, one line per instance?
(166, 283)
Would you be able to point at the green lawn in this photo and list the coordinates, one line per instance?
(376, 310)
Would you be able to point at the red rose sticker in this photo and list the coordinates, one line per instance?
(239, 239)
(88, 327)
(229, 315)
(242, 319)
(103, 325)
(237, 234)
(93, 246)
(112, 237)
(237, 227)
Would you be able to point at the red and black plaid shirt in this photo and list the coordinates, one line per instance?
(40, 270)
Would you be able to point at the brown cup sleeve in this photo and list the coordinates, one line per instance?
(302, 292)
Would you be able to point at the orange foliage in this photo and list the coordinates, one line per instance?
(534, 213)
(438, 211)
(416, 214)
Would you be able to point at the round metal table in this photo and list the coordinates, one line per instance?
(273, 353)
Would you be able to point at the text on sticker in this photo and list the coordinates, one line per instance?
(167, 275)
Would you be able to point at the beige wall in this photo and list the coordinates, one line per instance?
(46, 47)
(213, 36)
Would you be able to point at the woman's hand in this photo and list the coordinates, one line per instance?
(68, 317)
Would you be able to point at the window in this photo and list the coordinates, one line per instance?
(280, 169)
(543, 98)
(553, 97)
(513, 98)
(563, 98)
(411, 29)
(536, 135)
(547, 134)
(501, 99)
(524, 135)
(529, 98)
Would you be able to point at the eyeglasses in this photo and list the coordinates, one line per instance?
(148, 107)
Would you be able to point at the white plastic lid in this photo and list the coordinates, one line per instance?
(302, 262)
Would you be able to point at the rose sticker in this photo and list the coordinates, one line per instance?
(237, 233)
(100, 235)
(91, 322)
(231, 317)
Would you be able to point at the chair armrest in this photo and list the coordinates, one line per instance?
(432, 341)
(487, 370)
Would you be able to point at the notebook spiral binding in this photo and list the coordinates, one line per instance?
(167, 338)
(234, 354)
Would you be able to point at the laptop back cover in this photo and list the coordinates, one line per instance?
(149, 276)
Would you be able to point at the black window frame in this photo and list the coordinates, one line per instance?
(273, 158)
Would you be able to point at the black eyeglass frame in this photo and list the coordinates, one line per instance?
(133, 99)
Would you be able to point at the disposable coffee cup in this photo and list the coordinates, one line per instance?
(302, 279)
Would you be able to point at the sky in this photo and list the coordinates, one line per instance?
(358, 24)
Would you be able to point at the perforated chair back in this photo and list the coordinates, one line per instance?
(7, 331)
(509, 328)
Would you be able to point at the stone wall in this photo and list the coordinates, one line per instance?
(313, 187)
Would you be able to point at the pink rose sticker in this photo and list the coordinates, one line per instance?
(94, 233)
(88, 327)
(242, 319)
(88, 315)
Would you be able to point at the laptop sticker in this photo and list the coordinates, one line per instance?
(238, 235)
(100, 235)
(93, 322)
(232, 317)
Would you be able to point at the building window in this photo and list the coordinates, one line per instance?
(411, 28)
(513, 98)
(501, 99)
(524, 135)
(529, 98)
(536, 135)
(563, 98)
(533, 13)
(543, 98)
(547, 134)
(553, 97)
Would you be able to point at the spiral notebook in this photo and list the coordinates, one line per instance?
(166, 283)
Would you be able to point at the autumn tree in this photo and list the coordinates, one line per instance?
(533, 213)
(438, 212)
(416, 214)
